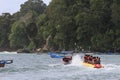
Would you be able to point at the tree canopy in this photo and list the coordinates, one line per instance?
(63, 25)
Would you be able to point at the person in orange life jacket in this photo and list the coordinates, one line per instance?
(93, 60)
(90, 59)
(85, 58)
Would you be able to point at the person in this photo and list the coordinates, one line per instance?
(90, 59)
(94, 60)
(85, 58)
(2, 62)
(97, 60)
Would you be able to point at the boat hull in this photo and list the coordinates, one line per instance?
(67, 60)
(93, 65)
(2, 65)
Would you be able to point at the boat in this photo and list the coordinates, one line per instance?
(4, 62)
(67, 52)
(92, 61)
(93, 65)
(67, 60)
(66, 56)
(55, 55)
(61, 54)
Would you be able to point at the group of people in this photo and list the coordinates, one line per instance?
(91, 59)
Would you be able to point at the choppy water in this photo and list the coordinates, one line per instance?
(42, 67)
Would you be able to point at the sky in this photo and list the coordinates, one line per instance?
(12, 6)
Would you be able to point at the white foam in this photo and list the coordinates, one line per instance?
(76, 61)
(111, 66)
(6, 52)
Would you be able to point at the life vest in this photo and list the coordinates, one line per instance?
(98, 66)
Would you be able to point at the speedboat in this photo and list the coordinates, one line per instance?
(60, 55)
(67, 60)
(66, 56)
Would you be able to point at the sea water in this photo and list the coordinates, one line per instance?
(42, 67)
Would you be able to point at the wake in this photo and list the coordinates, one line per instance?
(77, 60)
(54, 65)
(111, 66)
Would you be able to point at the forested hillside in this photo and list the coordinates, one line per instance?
(63, 25)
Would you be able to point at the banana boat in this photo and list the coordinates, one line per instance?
(93, 65)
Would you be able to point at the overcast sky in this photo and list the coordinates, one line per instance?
(13, 6)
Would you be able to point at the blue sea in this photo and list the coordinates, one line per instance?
(43, 67)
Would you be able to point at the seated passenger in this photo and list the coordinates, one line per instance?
(90, 59)
(98, 60)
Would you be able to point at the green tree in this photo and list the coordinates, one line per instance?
(116, 27)
(102, 23)
(62, 23)
(18, 37)
(33, 5)
(5, 26)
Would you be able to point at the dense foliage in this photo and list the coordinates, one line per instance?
(63, 24)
